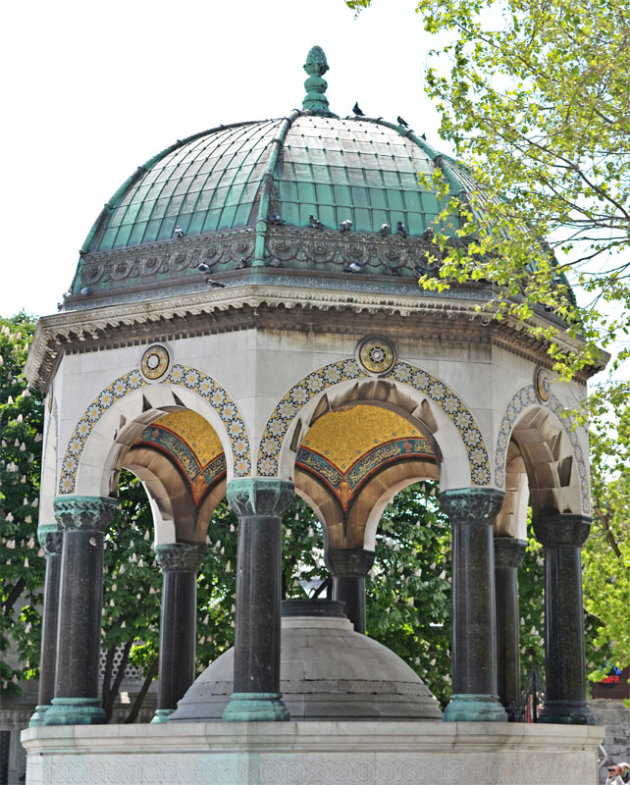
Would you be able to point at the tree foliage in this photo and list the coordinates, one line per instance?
(534, 96)
(22, 574)
(606, 556)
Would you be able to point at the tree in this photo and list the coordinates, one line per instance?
(606, 556)
(534, 96)
(22, 574)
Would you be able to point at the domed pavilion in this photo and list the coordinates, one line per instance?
(246, 321)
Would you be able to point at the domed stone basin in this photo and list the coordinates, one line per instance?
(328, 671)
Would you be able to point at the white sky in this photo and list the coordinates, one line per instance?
(93, 90)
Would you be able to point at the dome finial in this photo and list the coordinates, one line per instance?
(315, 66)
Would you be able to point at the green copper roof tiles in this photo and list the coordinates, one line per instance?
(335, 169)
(201, 186)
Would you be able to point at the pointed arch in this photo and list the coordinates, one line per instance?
(215, 398)
(522, 403)
(308, 390)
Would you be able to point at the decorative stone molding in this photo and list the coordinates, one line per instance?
(558, 530)
(259, 496)
(344, 370)
(84, 513)
(349, 561)
(472, 505)
(50, 538)
(522, 400)
(205, 386)
(179, 556)
(183, 310)
(508, 552)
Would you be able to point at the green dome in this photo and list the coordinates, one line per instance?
(311, 191)
(334, 169)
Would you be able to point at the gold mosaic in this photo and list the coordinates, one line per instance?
(344, 436)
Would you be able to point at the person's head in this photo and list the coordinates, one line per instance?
(612, 771)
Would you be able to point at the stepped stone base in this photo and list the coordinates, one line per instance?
(303, 753)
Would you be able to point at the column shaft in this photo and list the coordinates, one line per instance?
(76, 700)
(81, 602)
(508, 554)
(472, 513)
(178, 623)
(474, 651)
(350, 589)
(258, 587)
(259, 504)
(51, 540)
(565, 690)
(348, 567)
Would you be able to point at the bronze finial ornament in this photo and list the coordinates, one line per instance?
(316, 66)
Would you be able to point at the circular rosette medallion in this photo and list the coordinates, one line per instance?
(376, 355)
(155, 362)
(542, 384)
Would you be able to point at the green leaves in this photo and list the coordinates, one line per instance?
(22, 574)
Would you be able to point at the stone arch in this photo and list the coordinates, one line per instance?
(353, 453)
(539, 439)
(450, 416)
(131, 402)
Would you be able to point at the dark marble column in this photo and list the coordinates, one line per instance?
(508, 554)
(84, 520)
(565, 693)
(348, 568)
(472, 512)
(50, 538)
(259, 504)
(178, 622)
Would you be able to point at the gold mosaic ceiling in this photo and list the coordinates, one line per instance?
(344, 436)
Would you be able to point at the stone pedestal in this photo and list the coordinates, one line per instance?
(508, 554)
(472, 512)
(84, 520)
(348, 568)
(309, 753)
(562, 537)
(50, 538)
(259, 504)
(178, 627)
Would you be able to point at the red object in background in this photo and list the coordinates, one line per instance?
(614, 686)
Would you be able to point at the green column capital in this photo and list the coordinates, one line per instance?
(472, 505)
(84, 513)
(259, 496)
(50, 538)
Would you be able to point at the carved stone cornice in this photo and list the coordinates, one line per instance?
(265, 297)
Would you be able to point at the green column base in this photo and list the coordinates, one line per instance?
(37, 718)
(161, 715)
(566, 713)
(474, 708)
(75, 711)
(256, 707)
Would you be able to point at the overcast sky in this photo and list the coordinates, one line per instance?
(93, 90)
